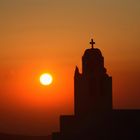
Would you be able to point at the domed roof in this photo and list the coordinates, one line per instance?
(94, 52)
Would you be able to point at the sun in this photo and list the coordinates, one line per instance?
(46, 79)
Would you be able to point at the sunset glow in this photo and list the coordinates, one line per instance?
(38, 37)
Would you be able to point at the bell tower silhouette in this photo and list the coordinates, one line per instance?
(93, 87)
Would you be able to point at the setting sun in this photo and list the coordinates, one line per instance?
(46, 79)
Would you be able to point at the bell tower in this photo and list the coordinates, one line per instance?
(93, 87)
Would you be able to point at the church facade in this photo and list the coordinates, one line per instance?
(94, 118)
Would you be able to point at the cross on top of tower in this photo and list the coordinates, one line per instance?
(92, 43)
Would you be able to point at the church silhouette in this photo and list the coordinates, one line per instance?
(94, 117)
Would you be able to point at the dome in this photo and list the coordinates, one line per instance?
(93, 62)
(94, 52)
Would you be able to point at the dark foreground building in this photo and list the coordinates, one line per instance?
(94, 118)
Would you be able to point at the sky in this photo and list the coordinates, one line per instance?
(38, 36)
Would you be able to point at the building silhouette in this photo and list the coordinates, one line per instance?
(94, 118)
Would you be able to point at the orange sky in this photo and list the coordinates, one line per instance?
(50, 36)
